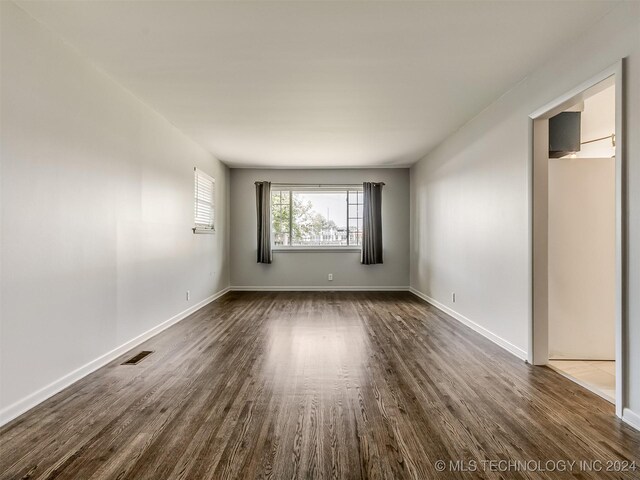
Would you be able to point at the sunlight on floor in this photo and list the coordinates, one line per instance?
(599, 376)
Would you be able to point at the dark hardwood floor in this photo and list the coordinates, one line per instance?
(319, 385)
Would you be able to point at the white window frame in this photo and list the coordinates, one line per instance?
(199, 175)
(315, 188)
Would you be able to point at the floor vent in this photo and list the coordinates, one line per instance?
(138, 357)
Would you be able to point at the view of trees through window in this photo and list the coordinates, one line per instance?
(316, 217)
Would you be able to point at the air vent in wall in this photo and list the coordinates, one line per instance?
(138, 357)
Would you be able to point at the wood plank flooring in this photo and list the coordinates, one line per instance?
(340, 385)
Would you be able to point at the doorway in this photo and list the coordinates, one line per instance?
(576, 246)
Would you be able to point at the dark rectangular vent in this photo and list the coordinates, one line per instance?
(138, 357)
(564, 134)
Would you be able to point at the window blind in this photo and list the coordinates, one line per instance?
(204, 201)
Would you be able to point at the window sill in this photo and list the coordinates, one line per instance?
(206, 231)
(316, 249)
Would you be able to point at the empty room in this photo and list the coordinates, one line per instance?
(319, 239)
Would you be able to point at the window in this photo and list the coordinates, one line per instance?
(325, 216)
(204, 202)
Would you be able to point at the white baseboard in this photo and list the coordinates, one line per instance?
(518, 352)
(631, 418)
(21, 406)
(322, 288)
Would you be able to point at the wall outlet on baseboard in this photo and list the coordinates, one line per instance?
(453, 297)
(188, 295)
(330, 277)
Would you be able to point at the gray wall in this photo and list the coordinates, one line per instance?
(469, 198)
(307, 269)
(97, 207)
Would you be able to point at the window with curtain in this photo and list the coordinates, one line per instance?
(316, 217)
(204, 202)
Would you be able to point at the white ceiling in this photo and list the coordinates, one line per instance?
(320, 84)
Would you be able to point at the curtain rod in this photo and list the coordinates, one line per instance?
(295, 184)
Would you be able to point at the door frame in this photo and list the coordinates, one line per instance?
(538, 353)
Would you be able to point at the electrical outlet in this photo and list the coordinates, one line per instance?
(453, 297)
(188, 295)
(330, 277)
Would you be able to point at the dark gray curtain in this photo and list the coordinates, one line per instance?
(263, 208)
(372, 223)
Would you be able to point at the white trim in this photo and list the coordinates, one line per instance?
(501, 342)
(313, 288)
(631, 418)
(567, 99)
(538, 343)
(621, 242)
(21, 406)
(318, 249)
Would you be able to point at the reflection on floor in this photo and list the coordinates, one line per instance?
(597, 375)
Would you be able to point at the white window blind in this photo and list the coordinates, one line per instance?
(204, 202)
